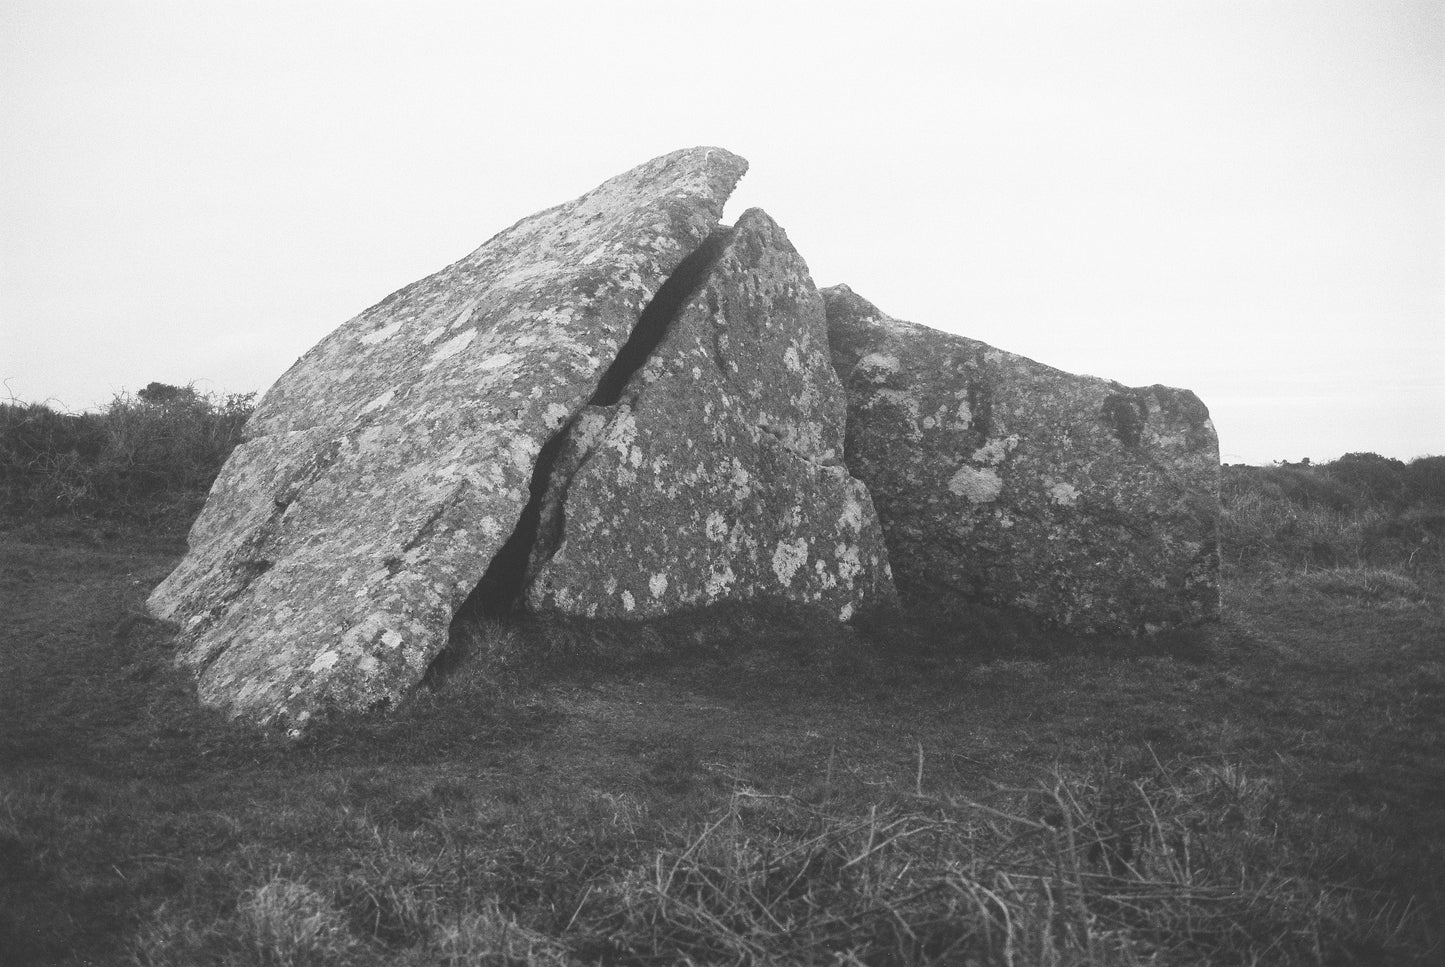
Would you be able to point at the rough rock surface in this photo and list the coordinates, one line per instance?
(717, 473)
(1086, 502)
(390, 464)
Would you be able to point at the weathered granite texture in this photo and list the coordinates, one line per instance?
(1088, 503)
(717, 473)
(390, 464)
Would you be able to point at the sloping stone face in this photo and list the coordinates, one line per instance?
(1088, 503)
(717, 474)
(386, 468)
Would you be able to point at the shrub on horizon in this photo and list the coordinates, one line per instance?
(136, 458)
(1362, 509)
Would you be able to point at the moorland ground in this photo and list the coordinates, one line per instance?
(949, 784)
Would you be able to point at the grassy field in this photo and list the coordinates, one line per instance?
(937, 787)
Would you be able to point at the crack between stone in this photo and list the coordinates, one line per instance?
(719, 357)
(535, 538)
(429, 525)
(793, 451)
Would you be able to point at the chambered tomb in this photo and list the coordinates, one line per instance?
(619, 408)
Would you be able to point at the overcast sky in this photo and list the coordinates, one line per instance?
(1242, 198)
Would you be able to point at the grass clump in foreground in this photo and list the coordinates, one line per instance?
(1180, 864)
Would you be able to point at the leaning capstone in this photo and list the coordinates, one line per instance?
(389, 465)
(716, 473)
(1085, 502)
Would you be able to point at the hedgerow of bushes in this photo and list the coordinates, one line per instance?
(155, 454)
(1358, 511)
(141, 457)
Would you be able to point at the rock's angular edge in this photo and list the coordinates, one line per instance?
(385, 469)
(716, 473)
(1088, 503)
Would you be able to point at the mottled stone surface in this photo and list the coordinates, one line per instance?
(387, 466)
(1088, 503)
(717, 475)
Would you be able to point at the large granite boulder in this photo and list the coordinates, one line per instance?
(406, 467)
(1088, 503)
(387, 467)
(717, 474)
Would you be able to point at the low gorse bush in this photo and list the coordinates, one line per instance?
(1360, 510)
(140, 457)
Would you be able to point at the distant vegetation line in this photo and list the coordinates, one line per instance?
(1362, 510)
(152, 454)
(145, 456)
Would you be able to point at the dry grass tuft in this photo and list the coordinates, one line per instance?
(1370, 586)
(1177, 865)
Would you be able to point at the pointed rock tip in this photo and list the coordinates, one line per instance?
(757, 221)
(710, 154)
(844, 294)
(723, 168)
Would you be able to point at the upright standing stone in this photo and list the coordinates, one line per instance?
(387, 467)
(1091, 504)
(716, 474)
